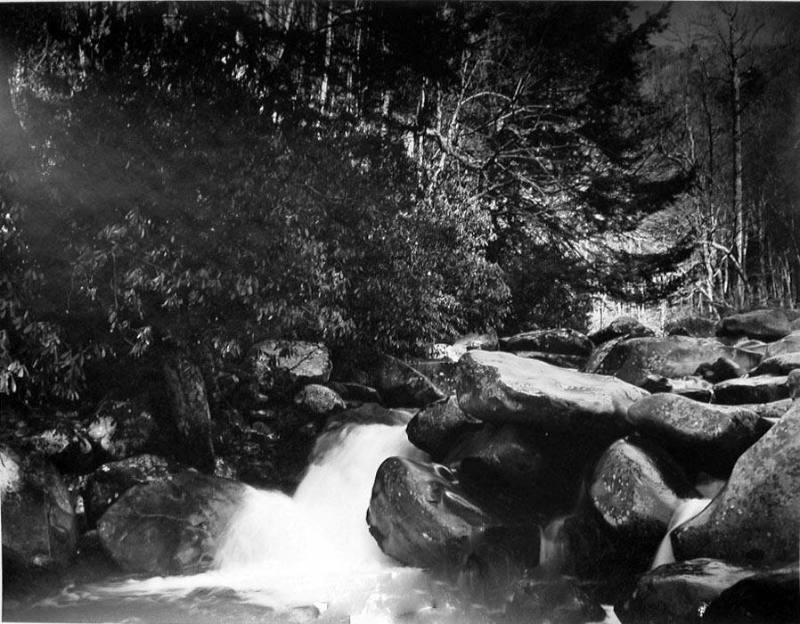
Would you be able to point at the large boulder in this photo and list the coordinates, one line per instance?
(789, 344)
(282, 366)
(759, 324)
(781, 364)
(401, 385)
(566, 341)
(172, 525)
(319, 400)
(760, 389)
(697, 326)
(503, 388)
(676, 593)
(636, 487)
(420, 516)
(123, 428)
(624, 326)
(755, 518)
(437, 428)
(38, 520)
(632, 360)
(771, 596)
(700, 436)
(110, 481)
(190, 412)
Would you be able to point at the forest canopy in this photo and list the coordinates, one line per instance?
(374, 175)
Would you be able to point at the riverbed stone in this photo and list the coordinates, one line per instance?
(770, 596)
(558, 600)
(624, 326)
(759, 389)
(503, 388)
(759, 324)
(562, 341)
(754, 519)
(722, 369)
(697, 326)
(562, 360)
(38, 520)
(172, 525)
(437, 428)
(690, 387)
(781, 364)
(319, 400)
(676, 593)
(699, 435)
(788, 344)
(633, 359)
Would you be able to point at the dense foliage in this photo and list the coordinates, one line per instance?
(374, 175)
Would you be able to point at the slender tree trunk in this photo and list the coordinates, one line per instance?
(323, 92)
(738, 201)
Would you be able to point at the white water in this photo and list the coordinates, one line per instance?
(686, 510)
(312, 552)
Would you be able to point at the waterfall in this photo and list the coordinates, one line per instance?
(686, 510)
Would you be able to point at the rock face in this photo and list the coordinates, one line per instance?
(781, 364)
(636, 488)
(772, 596)
(170, 526)
(634, 359)
(123, 428)
(401, 385)
(754, 519)
(282, 366)
(761, 389)
(760, 324)
(190, 412)
(419, 516)
(624, 326)
(39, 528)
(502, 388)
(319, 399)
(674, 593)
(701, 436)
(110, 481)
(437, 428)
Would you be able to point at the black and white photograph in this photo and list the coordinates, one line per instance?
(392, 312)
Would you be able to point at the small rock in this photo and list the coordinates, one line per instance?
(319, 400)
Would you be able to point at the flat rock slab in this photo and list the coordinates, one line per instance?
(701, 436)
(754, 519)
(503, 388)
(760, 389)
(781, 364)
(632, 360)
(674, 592)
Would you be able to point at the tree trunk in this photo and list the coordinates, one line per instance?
(323, 91)
(738, 202)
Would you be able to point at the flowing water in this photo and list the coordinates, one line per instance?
(685, 511)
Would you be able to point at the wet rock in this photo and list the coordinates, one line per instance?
(624, 326)
(319, 400)
(110, 481)
(771, 410)
(437, 428)
(555, 600)
(677, 593)
(700, 436)
(401, 385)
(123, 428)
(759, 324)
(282, 366)
(690, 387)
(190, 412)
(39, 527)
(754, 519)
(695, 326)
(781, 364)
(561, 341)
(420, 516)
(772, 596)
(635, 489)
(599, 355)
(761, 389)
(556, 359)
(170, 526)
(789, 344)
(632, 360)
(720, 370)
(352, 392)
(502, 388)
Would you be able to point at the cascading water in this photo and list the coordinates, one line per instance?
(686, 510)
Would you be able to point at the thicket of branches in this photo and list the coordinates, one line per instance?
(376, 175)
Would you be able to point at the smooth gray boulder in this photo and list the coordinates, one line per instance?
(563, 341)
(755, 517)
(319, 400)
(503, 388)
(759, 324)
(700, 436)
(437, 428)
(624, 326)
(781, 364)
(788, 344)
(760, 389)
